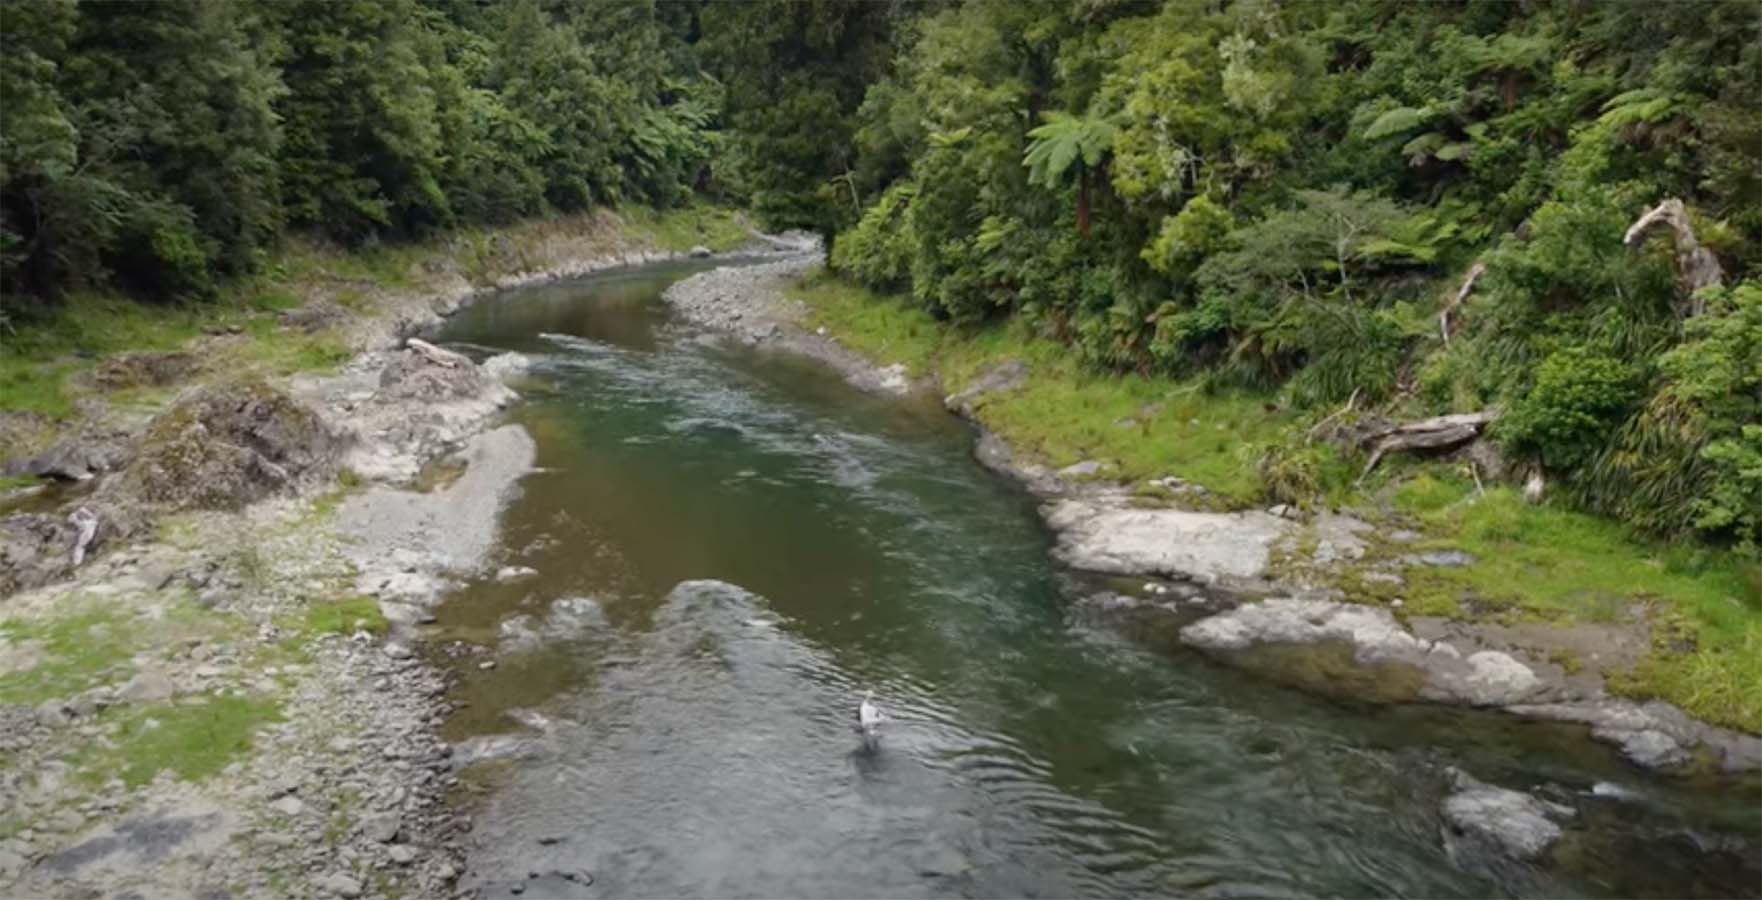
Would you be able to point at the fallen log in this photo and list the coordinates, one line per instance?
(1436, 433)
(1696, 266)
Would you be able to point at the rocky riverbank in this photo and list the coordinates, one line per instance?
(1244, 586)
(211, 678)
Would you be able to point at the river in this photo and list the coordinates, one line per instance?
(732, 546)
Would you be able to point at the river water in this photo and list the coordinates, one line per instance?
(731, 547)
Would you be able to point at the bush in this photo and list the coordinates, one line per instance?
(1579, 399)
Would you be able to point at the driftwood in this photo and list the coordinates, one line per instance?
(1427, 434)
(1696, 266)
(1474, 273)
(436, 355)
(86, 522)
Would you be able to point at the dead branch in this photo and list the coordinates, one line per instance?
(1427, 434)
(1474, 273)
(1351, 402)
(436, 355)
(1696, 266)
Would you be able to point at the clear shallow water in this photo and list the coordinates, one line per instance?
(732, 547)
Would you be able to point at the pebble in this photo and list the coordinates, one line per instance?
(402, 854)
(288, 806)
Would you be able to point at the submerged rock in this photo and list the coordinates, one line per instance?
(1481, 820)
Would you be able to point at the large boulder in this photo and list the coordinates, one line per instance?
(1486, 824)
(92, 450)
(1103, 534)
(34, 549)
(223, 446)
(426, 372)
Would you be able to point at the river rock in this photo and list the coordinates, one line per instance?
(699, 252)
(147, 686)
(1654, 735)
(1108, 536)
(1480, 819)
(1437, 670)
(340, 885)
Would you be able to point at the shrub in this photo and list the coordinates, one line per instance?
(1579, 398)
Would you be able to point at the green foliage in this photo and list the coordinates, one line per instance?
(162, 147)
(1580, 397)
(1065, 140)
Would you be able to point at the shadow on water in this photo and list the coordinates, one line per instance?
(732, 546)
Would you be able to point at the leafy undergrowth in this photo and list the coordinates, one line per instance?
(1531, 563)
(190, 739)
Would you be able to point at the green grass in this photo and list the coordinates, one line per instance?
(1540, 562)
(685, 227)
(79, 650)
(345, 616)
(1066, 412)
(192, 740)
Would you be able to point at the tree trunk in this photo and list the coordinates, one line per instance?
(1083, 201)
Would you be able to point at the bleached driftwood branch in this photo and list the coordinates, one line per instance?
(436, 355)
(1428, 434)
(1474, 274)
(1696, 266)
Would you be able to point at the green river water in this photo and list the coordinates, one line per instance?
(732, 547)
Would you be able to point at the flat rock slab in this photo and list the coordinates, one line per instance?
(1375, 638)
(1108, 536)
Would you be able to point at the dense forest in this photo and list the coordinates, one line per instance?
(1421, 208)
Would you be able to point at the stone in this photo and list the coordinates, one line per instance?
(1375, 639)
(515, 573)
(381, 828)
(1100, 535)
(402, 854)
(1481, 818)
(288, 806)
(54, 714)
(699, 252)
(340, 885)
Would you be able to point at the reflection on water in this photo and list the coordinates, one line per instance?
(732, 547)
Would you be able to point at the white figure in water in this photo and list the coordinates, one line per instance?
(869, 718)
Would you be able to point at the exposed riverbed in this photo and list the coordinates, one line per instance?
(728, 547)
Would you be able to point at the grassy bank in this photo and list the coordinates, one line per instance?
(1531, 563)
(47, 358)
